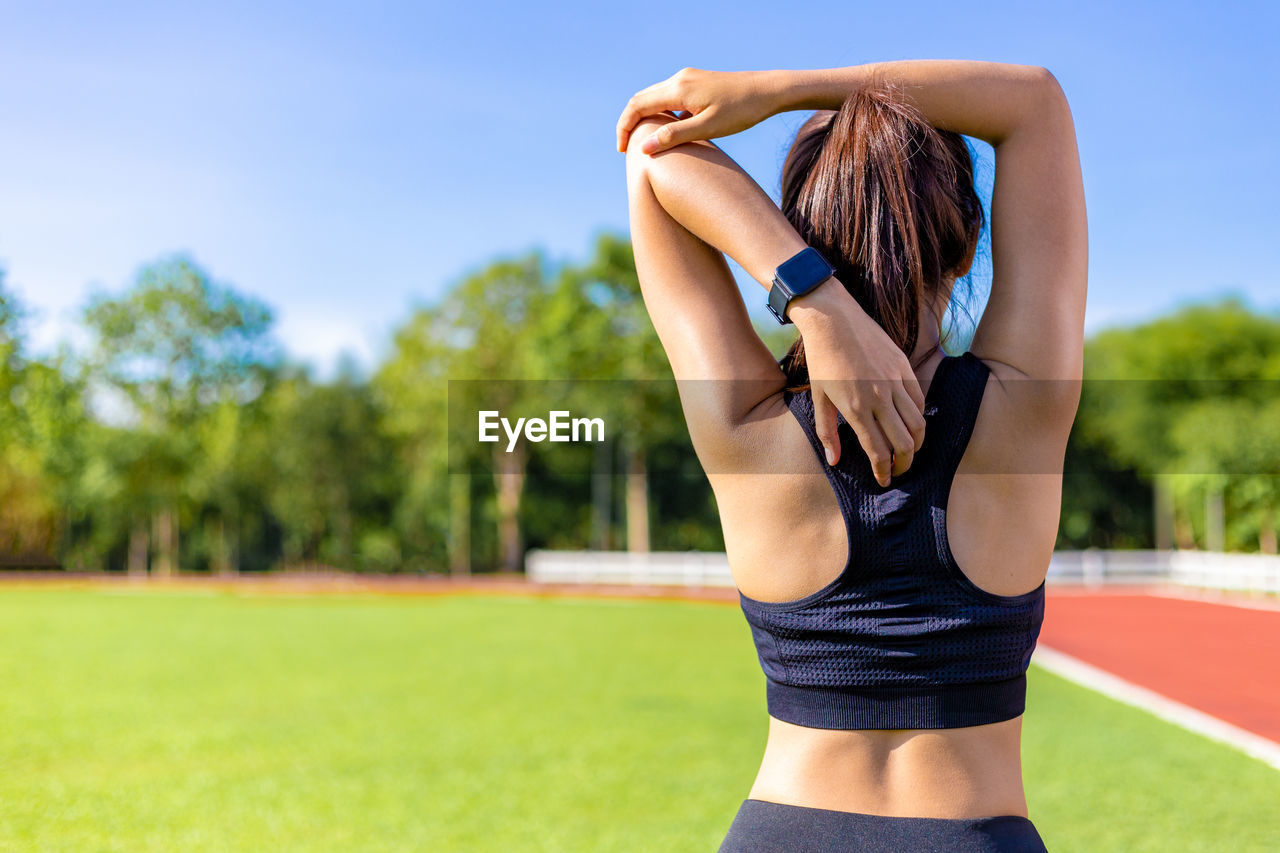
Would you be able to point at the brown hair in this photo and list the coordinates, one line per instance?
(889, 200)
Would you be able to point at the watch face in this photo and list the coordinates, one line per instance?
(805, 271)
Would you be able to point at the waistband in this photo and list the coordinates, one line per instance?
(763, 825)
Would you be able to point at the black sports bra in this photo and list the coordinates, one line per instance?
(902, 638)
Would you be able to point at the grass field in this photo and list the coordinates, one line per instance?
(187, 721)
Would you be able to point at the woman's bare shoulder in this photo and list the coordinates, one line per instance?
(1023, 423)
(770, 489)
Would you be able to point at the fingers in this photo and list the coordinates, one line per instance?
(687, 129)
(901, 443)
(877, 449)
(655, 99)
(662, 138)
(890, 431)
(912, 386)
(684, 128)
(912, 414)
(825, 424)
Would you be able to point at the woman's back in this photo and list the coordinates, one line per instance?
(1001, 518)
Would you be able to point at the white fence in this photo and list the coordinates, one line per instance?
(658, 568)
(1091, 567)
(1253, 572)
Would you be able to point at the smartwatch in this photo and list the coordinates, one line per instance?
(795, 277)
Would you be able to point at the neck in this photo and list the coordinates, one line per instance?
(929, 336)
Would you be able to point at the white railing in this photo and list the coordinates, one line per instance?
(1252, 572)
(1090, 567)
(1095, 567)
(657, 568)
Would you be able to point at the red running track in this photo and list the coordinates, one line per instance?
(1218, 658)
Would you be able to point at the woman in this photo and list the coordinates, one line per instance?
(895, 618)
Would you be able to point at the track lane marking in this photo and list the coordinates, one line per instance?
(1113, 686)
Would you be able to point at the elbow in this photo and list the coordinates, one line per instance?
(640, 164)
(1048, 89)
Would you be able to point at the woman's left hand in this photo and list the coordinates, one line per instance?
(717, 103)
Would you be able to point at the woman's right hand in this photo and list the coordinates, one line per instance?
(855, 368)
(718, 103)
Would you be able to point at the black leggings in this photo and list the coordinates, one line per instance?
(765, 827)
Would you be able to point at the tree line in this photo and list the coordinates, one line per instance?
(181, 436)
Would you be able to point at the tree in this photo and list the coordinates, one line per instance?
(174, 348)
(332, 485)
(1188, 401)
(614, 336)
(521, 336)
(475, 349)
(25, 513)
(432, 510)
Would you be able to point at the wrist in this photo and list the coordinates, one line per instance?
(778, 89)
(820, 305)
(815, 89)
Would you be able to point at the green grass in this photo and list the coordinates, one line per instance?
(218, 722)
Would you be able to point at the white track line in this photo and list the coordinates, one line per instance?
(1087, 675)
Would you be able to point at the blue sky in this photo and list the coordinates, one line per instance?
(345, 162)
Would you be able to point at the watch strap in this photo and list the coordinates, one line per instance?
(779, 298)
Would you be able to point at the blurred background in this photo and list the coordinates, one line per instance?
(245, 247)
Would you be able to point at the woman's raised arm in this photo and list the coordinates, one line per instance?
(1034, 318)
(987, 100)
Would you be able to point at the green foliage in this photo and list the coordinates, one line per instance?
(172, 354)
(27, 512)
(1140, 381)
(331, 487)
(11, 364)
(184, 433)
(178, 341)
(520, 335)
(1192, 397)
